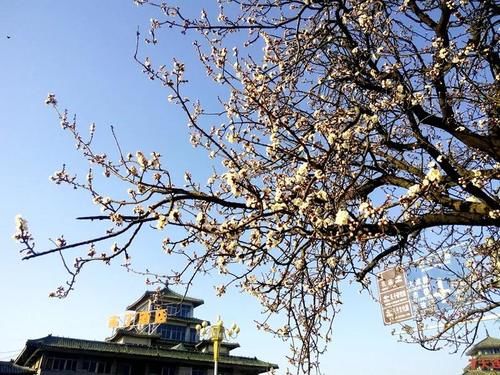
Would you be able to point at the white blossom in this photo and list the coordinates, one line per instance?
(161, 222)
(342, 217)
(141, 159)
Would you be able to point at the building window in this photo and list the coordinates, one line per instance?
(60, 364)
(193, 335)
(168, 370)
(157, 369)
(180, 310)
(160, 369)
(185, 311)
(123, 369)
(97, 367)
(172, 332)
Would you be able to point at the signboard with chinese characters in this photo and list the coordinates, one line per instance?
(393, 296)
(486, 364)
(138, 319)
(428, 289)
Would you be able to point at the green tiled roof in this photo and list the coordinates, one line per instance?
(62, 344)
(8, 368)
(488, 343)
(166, 293)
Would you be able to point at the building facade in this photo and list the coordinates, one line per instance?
(158, 336)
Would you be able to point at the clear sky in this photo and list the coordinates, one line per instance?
(82, 51)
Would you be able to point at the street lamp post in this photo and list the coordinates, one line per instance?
(216, 333)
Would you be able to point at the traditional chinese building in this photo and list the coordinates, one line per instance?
(484, 358)
(157, 336)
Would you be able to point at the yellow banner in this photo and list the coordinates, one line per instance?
(113, 321)
(129, 319)
(143, 317)
(160, 316)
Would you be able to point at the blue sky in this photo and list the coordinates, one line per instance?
(82, 51)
